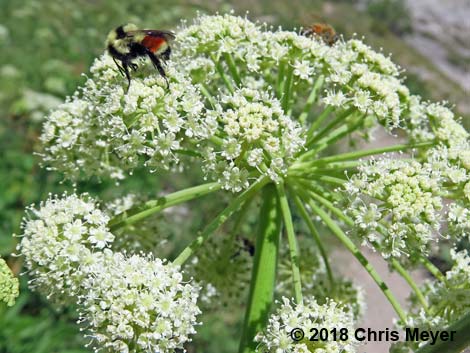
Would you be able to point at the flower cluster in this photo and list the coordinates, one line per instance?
(213, 111)
(137, 304)
(61, 237)
(258, 136)
(449, 299)
(453, 163)
(355, 75)
(244, 102)
(113, 135)
(276, 338)
(406, 195)
(129, 303)
(426, 121)
(104, 131)
(9, 285)
(367, 81)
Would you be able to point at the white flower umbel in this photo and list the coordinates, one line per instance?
(396, 205)
(364, 79)
(59, 239)
(256, 138)
(102, 130)
(288, 316)
(453, 163)
(137, 304)
(129, 304)
(450, 299)
(9, 285)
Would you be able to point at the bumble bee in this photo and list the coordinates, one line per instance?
(127, 43)
(322, 30)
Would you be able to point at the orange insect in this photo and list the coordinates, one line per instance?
(323, 30)
(127, 42)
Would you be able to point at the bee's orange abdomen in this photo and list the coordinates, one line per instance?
(153, 43)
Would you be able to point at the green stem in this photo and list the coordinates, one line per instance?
(233, 69)
(287, 89)
(205, 92)
(316, 236)
(140, 212)
(293, 249)
(280, 79)
(241, 216)
(296, 167)
(406, 276)
(335, 135)
(216, 140)
(367, 152)
(219, 220)
(452, 195)
(221, 72)
(318, 121)
(360, 257)
(328, 204)
(433, 269)
(335, 210)
(263, 275)
(321, 177)
(460, 341)
(190, 153)
(311, 99)
(341, 117)
(328, 140)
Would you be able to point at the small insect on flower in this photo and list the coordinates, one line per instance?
(127, 42)
(245, 244)
(323, 30)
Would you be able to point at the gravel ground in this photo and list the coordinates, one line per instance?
(441, 31)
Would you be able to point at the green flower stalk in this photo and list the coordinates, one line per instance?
(316, 282)
(260, 111)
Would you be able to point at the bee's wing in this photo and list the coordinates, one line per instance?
(167, 35)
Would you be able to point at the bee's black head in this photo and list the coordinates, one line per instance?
(120, 32)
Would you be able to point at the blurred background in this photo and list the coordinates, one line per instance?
(46, 45)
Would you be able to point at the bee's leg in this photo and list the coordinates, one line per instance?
(128, 75)
(121, 70)
(334, 39)
(158, 65)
